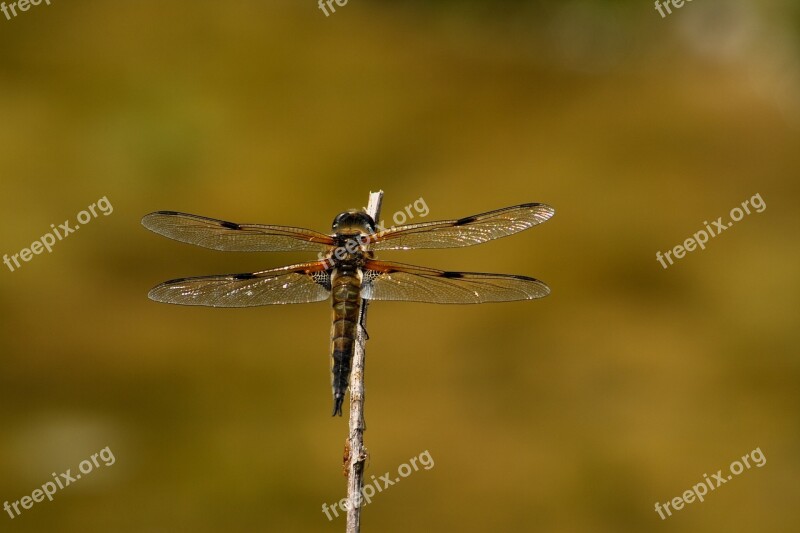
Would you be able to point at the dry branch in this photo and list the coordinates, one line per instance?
(355, 452)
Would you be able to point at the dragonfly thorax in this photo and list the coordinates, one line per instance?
(350, 250)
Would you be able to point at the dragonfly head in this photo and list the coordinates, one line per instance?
(353, 222)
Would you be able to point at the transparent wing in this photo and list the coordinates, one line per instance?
(394, 281)
(295, 284)
(232, 237)
(465, 231)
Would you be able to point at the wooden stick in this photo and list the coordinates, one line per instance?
(355, 452)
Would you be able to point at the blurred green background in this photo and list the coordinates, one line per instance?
(575, 413)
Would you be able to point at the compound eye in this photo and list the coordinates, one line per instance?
(371, 225)
(340, 218)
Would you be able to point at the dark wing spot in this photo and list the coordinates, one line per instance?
(465, 220)
(452, 275)
(176, 280)
(244, 276)
(230, 225)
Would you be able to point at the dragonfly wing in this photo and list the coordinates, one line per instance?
(302, 283)
(466, 231)
(233, 237)
(398, 282)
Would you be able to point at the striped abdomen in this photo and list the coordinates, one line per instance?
(346, 298)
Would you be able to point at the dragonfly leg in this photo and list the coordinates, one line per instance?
(361, 320)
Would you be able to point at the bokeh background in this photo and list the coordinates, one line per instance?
(575, 413)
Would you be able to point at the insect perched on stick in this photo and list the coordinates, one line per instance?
(348, 272)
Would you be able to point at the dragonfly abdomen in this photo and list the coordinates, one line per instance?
(346, 298)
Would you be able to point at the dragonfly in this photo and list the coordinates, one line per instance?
(346, 270)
